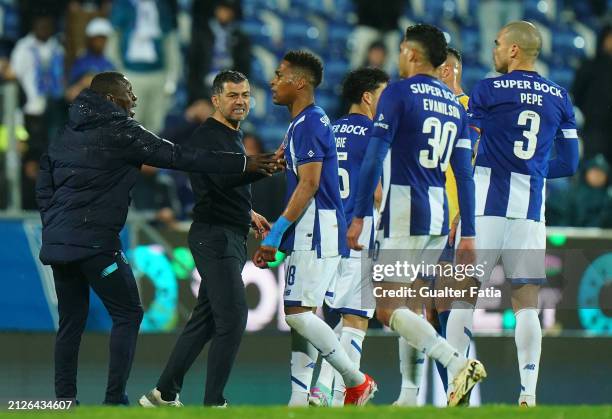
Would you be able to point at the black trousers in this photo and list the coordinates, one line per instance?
(220, 314)
(111, 277)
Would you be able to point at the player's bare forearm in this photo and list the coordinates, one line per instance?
(309, 176)
(378, 196)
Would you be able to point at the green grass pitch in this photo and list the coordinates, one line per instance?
(369, 412)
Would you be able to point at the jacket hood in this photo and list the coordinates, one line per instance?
(605, 31)
(90, 110)
(599, 161)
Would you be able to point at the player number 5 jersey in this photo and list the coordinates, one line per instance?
(352, 133)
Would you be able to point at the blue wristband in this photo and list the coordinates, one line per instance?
(275, 235)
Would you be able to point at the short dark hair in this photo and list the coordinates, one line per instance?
(431, 39)
(225, 76)
(378, 44)
(108, 82)
(455, 53)
(362, 80)
(307, 62)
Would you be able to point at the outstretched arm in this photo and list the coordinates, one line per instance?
(369, 179)
(309, 176)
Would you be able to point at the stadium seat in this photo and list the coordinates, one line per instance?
(263, 65)
(337, 39)
(568, 47)
(330, 102)
(258, 32)
(563, 76)
(272, 134)
(300, 33)
(469, 44)
(544, 11)
(334, 72)
(472, 74)
(431, 10)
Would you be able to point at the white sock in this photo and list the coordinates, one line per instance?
(411, 368)
(326, 377)
(339, 387)
(338, 400)
(459, 328)
(528, 338)
(421, 335)
(352, 342)
(303, 359)
(317, 332)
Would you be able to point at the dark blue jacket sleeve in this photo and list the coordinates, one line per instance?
(566, 162)
(461, 162)
(369, 175)
(140, 146)
(566, 144)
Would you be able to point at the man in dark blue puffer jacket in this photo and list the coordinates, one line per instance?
(83, 194)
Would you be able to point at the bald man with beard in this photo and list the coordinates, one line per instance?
(520, 116)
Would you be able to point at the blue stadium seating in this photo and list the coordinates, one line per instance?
(469, 44)
(300, 33)
(328, 100)
(258, 32)
(567, 46)
(563, 76)
(472, 74)
(337, 39)
(332, 43)
(334, 72)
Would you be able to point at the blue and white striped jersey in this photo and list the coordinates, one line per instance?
(352, 133)
(427, 128)
(322, 226)
(520, 115)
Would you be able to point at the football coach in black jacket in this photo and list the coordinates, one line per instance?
(83, 195)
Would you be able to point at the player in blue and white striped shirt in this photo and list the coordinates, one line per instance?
(520, 115)
(423, 127)
(351, 293)
(312, 228)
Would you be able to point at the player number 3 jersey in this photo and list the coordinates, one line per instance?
(520, 115)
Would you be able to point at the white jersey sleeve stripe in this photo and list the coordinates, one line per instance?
(366, 234)
(294, 166)
(436, 204)
(570, 133)
(518, 200)
(464, 143)
(304, 228)
(399, 212)
(386, 180)
(328, 223)
(482, 179)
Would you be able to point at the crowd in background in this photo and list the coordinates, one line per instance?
(170, 50)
